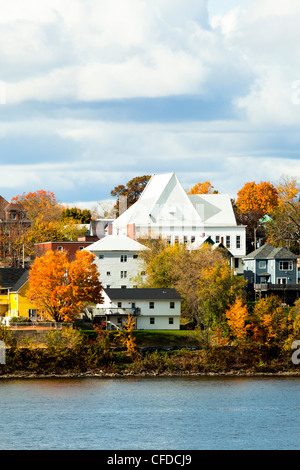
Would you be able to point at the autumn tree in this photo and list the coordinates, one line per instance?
(62, 289)
(131, 191)
(237, 319)
(283, 228)
(126, 336)
(203, 188)
(217, 290)
(254, 201)
(81, 216)
(202, 277)
(261, 198)
(41, 232)
(40, 205)
(269, 324)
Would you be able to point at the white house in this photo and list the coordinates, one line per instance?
(117, 259)
(152, 309)
(165, 209)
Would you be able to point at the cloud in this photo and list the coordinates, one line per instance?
(100, 91)
(113, 50)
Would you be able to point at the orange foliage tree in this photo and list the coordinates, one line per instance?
(237, 316)
(203, 188)
(261, 198)
(40, 205)
(62, 289)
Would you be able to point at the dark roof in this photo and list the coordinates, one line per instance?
(269, 251)
(13, 278)
(142, 294)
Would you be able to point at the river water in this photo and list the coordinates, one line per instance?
(200, 413)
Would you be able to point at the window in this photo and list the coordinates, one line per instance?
(286, 265)
(217, 238)
(171, 320)
(151, 304)
(32, 313)
(262, 264)
(281, 280)
(101, 256)
(238, 241)
(132, 304)
(152, 320)
(60, 248)
(227, 241)
(123, 274)
(107, 273)
(81, 248)
(135, 256)
(236, 263)
(119, 304)
(172, 304)
(123, 258)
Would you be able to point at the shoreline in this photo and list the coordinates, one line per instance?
(107, 375)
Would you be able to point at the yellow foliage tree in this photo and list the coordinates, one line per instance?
(127, 337)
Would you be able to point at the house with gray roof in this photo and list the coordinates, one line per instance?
(272, 270)
(152, 309)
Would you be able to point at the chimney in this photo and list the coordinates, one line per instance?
(109, 229)
(131, 231)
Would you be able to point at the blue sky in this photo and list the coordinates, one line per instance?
(96, 92)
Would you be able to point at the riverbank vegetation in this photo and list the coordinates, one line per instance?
(257, 339)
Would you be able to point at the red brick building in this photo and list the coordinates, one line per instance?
(70, 248)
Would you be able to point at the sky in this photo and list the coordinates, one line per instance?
(96, 92)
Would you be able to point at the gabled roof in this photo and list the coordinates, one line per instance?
(117, 243)
(268, 251)
(162, 195)
(13, 278)
(165, 201)
(15, 206)
(214, 209)
(142, 294)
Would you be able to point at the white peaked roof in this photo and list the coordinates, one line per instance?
(164, 200)
(216, 209)
(116, 243)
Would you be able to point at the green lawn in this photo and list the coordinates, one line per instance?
(165, 338)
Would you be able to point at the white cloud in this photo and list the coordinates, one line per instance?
(111, 50)
(75, 50)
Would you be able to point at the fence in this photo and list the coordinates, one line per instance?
(33, 325)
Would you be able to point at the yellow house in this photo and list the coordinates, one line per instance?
(13, 287)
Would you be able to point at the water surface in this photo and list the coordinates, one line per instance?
(150, 413)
